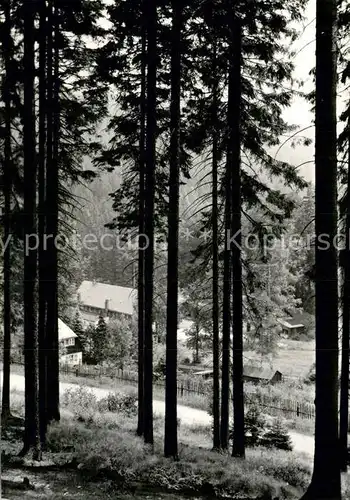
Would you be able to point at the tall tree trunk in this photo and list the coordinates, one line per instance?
(226, 317)
(215, 266)
(53, 412)
(325, 482)
(43, 366)
(150, 163)
(170, 435)
(5, 412)
(141, 251)
(344, 383)
(31, 367)
(234, 162)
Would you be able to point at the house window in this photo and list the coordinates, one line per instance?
(68, 342)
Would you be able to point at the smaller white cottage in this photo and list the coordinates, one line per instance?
(70, 350)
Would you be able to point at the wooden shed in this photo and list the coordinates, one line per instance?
(257, 375)
(251, 374)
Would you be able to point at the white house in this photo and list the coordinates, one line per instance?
(70, 350)
(111, 301)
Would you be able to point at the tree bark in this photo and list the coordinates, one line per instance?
(7, 187)
(31, 368)
(53, 413)
(170, 436)
(151, 127)
(226, 316)
(234, 162)
(43, 389)
(325, 482)
(141, 251)
(344, 383)
(215, 264)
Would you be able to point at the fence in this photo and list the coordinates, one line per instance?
(185, 386)
(287, 408)
(276, 406)
(281, 407)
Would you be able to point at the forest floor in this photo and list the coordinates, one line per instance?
(103, 458)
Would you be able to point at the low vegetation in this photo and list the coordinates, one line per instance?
(105, 445)
(100, 436)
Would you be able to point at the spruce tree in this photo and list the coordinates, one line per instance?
(234, 165)
(277, 437)
(141, 240)
(344, 381)
(99, 341)
(52, 207)
(170, 435)
(7, 51)
(344, 147)
(42, 292)
(31, 368)
(325, 482)
(215, 264)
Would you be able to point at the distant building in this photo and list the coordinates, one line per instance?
(295, 324)
(206, 374)
(70, 350)
(100, 299)
(251, 374)
(258, 375)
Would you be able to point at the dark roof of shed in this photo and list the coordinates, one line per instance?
(297, 319)
(261, 373)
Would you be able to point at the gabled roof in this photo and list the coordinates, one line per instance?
(261, 373)
(64, 332)
(249, 371)
(120, 298)
(204, 372)
(297, 320)
(287, 324)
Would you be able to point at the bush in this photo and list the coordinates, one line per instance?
(277, 437)
(254, 426)
(311, 376)
(71, 434)
(125, 404)
(282, 466)
(82, 403)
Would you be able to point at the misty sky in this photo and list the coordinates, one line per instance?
(299, 113)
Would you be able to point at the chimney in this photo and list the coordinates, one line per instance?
(106, 307)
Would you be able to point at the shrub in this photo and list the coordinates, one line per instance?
(311, 376)
(67, 436)
(125, 404)
(277, 437)
(81, 402)
(254, 426)
(282, 466)
(255, 423)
